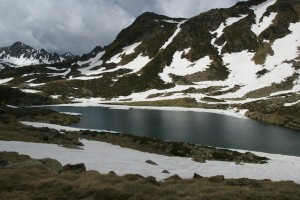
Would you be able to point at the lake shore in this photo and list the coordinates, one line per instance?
(115, 152)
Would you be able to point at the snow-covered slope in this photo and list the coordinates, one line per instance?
(20, 54)
(104, 157)
(180, 60)
(222, 58)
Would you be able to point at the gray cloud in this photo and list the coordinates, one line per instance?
(79, 25)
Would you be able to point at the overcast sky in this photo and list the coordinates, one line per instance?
(79, 25)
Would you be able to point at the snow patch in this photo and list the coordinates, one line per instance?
(29, 81)
(259, 27)
(116, 58)
(51, 126)
(10, 106)
(71, 113)
(170, 40)
(63, 74)
(126, 51)
(30, 91)
(92, 63)
(182, 66)
(232, 113)
(259, 11)
(227, 23)
(170, 21)
(35, 84)
(130, 49)
(91, 60)
(56, 69)
(291, 104)
(3, 81)
(85, 78)
(137, 64)
(58, 127)
(55, 96)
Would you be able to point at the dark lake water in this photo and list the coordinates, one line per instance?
(193, 127)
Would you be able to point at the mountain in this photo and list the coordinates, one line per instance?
(67, 56)
(244, 58)
(96, 50)
(20, 54)
(91, 54)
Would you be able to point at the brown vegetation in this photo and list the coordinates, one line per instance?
(25, 178)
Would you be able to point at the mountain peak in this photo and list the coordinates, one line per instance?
(20, 45)
(155, 16)
(67, 56)
(96, 50)
(20, 54)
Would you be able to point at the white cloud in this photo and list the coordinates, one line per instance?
(79, 25)
(67, 25)
(190, 8)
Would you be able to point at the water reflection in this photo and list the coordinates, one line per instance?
(200, 128)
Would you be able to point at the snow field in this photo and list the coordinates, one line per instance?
(22, 61)
(104, 157)
(243, 69)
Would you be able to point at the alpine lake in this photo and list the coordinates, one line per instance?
(204, 128)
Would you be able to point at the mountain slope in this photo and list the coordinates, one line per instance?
(243, 57)
(198, 50)
(20, 54)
